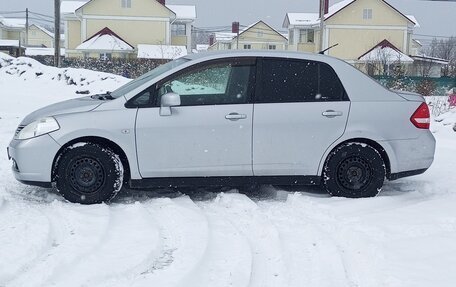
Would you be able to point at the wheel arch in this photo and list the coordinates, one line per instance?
(95, 140)
(378, 147)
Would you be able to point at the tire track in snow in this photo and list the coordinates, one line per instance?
(309, 252)
(228, 258)
(122, 251)
(267, 268)
(74, 233)
(21, 242)
(338, 246)
(184, 235)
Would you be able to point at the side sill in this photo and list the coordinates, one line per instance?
(164, 182)
(408, 173)
(37, 183)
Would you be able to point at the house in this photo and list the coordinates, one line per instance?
(425, 66)
(355, 26)
(258, 36)
(39, 36)
(103, 28)
(12, 47)
(12, 29)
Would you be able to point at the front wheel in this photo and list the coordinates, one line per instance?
(354, 170)
(89, 173)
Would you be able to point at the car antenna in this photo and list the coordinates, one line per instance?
(323, 52)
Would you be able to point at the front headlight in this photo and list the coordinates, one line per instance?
(37, 128)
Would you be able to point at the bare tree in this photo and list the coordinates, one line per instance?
(446, 49)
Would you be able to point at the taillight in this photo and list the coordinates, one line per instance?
(421, 117)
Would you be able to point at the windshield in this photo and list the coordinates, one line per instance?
(147, 76)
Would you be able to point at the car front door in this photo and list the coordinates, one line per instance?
(301, 108)
(209, 133)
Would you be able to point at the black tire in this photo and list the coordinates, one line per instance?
(354, 170)
(88, 173)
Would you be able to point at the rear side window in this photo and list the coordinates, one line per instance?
(287, 81)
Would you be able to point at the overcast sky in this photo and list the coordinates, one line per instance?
(436, 17)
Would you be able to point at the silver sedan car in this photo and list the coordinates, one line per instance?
(229, 119)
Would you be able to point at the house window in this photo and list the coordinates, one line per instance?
(178, 30)
(260, 34)
(367, 14)
(306, 36)
(105, 56)
(247, 47)
(126, 3)
(272, 47)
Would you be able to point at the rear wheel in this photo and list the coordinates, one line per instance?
(88, 173)
(354, 170)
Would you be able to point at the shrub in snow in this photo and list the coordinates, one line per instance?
(129, 68)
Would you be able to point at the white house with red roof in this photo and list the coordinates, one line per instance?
(105, 28)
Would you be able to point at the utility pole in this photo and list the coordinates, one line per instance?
(322, 24)
(26, 27)
(57, 33)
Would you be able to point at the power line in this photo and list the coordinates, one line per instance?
(433, 36)
(43, 15)
(11, 12)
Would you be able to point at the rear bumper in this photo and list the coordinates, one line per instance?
(411, 156)
(32, 159)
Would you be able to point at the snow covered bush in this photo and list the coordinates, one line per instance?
(129, 68)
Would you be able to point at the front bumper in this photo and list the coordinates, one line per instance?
(32, 159)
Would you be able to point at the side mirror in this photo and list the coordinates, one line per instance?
(167, 101)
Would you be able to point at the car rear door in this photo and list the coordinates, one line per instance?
(210, 133)
(300, 109)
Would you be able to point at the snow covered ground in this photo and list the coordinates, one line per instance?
(404, 237)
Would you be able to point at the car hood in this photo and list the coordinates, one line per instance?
(78, 105)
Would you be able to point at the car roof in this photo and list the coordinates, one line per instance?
(208, 55)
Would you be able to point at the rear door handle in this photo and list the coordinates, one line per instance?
(235, 117)
(332, 114)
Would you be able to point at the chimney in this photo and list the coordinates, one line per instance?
(163, 2)
(235, 27)
(211, 39)
(326, 8)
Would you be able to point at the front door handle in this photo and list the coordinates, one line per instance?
(332, 114)
(235, 117)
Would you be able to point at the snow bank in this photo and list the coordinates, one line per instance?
(446, 121)
(80, 81)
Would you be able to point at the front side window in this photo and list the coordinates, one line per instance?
(287, 81)
(216, 84)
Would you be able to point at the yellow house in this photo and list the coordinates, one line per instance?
(117, 28)
(39, 36)
(12, 29)
(356, 26)
(258, 36)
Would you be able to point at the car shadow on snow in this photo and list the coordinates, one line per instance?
(263, 193)
(266, 192)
